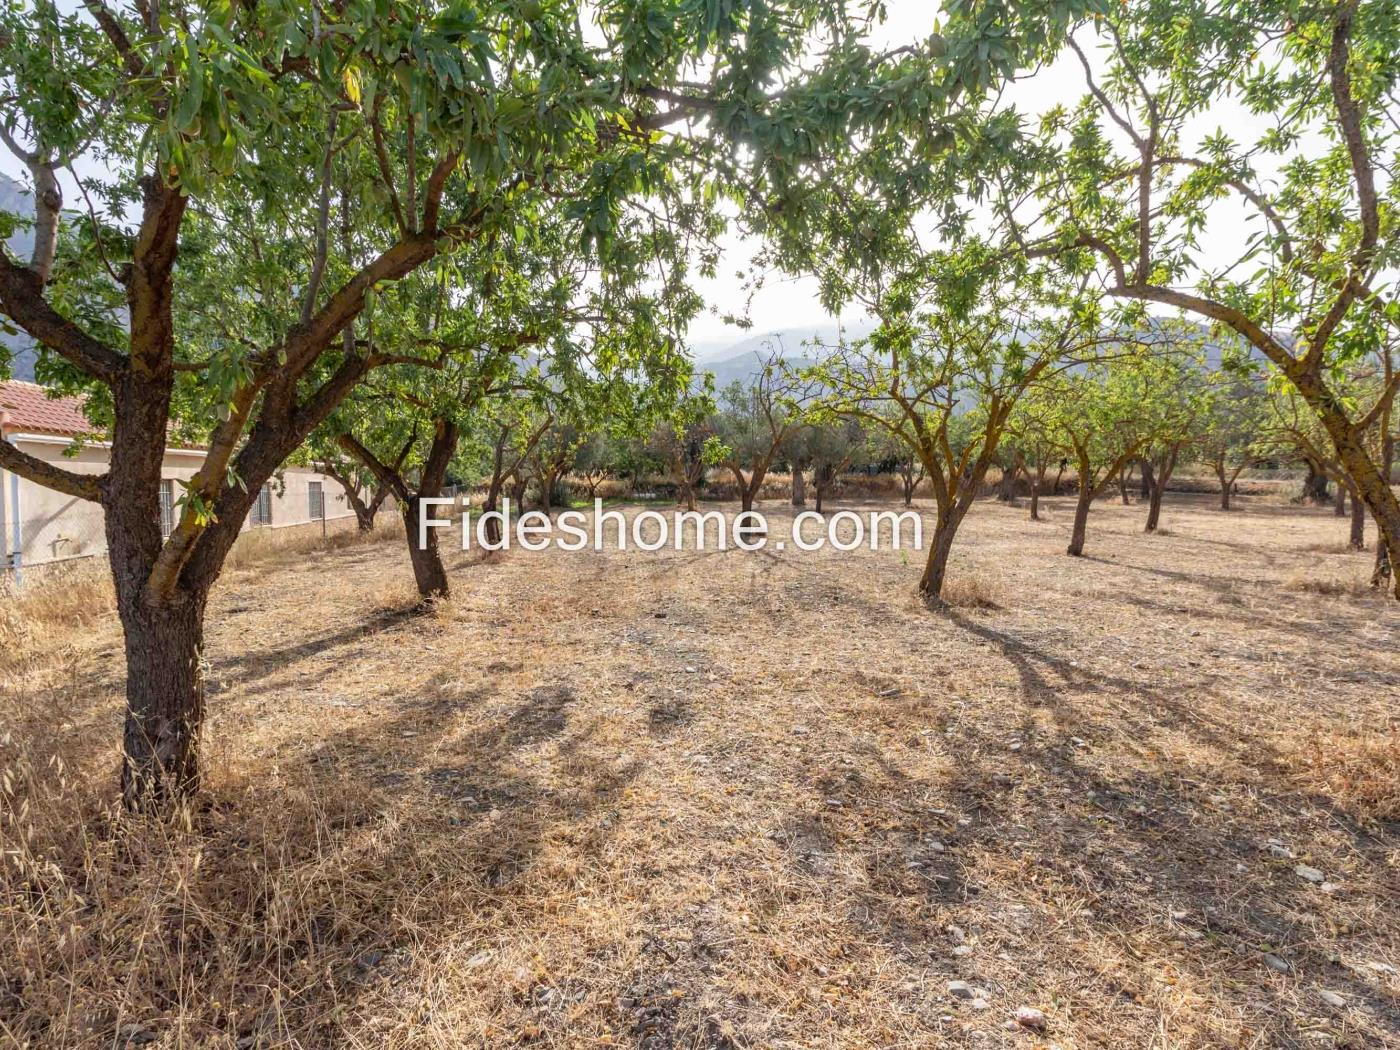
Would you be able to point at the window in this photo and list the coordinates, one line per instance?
(167, 508)
(315, 501)
(261, 514)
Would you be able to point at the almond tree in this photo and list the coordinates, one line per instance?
(1234, 420)
(962, 337)
(1099, 415)
(1135, 171)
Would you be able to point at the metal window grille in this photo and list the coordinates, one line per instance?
(167, 507)
(315, 501)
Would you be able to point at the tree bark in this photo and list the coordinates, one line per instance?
(164, 697)
(1225, 483)
(799, 486)
(1037, 482)
(1385, 567)
(1339, 501)
(1315, 484)
(1081, 521)
(936, 567)
(428, 571)
(1123, 486)
(949, 519)
(1161, 475)
(1006, 487)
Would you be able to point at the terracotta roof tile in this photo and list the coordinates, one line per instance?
(28, 409)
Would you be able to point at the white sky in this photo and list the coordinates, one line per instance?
(792, 303)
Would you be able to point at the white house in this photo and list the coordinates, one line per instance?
(41, 526)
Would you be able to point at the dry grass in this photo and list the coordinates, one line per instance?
(974, 590)
(724, 800)
(1353, 586)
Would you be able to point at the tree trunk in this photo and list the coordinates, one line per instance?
(909, 484)
(1225, 484)
(945, 530)
(820, 490)
(547, 492)
(1123, 486)
(1059, 476)
(1037, 480)
(745, 499)
(799, 486)
(164, 698)
(1315, 484)
(1384, 570)
(936, 568)
(1148, 479)
(1154, 509)
(1339, 501)
(1006, 487)
(1161, 476)
(1358, 524)
(687, 493)
(1081, 519)
(428, 571)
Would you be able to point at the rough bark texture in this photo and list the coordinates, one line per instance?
(799, 486)
(164, 697)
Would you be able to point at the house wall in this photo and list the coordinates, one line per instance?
(53, 527)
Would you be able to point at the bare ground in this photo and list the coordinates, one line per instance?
(731, 800)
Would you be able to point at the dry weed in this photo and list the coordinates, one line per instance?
(1361, 772)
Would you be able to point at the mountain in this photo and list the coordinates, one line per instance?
(798, 346)
(14, 198)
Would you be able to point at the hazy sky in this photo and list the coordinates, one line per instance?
(791, 303)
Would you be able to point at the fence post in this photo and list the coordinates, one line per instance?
(17, 556)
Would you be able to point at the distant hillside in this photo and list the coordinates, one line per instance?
(14, 198)
(799, 347)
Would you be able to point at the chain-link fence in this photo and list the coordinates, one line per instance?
(74, 530)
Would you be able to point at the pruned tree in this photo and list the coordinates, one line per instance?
(963, 335)
(680, 443)
(828, 444)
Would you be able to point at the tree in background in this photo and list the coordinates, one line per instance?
(1236, 401)
(1098, 414)
(828, 444)
(1174, 417)
(754, 423)
(963, 335)
(1036, 439)
(680, 443)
